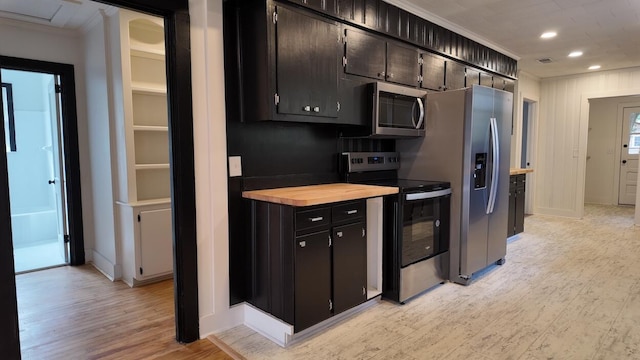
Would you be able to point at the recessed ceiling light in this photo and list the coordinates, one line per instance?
(594, 67)
(548, 35)
(575, 54)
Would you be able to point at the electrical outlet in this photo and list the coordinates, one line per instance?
(235, 166)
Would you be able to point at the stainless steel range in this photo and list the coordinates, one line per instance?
(416, 224)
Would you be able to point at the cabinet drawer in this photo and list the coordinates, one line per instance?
(313, 218)
(348, 212)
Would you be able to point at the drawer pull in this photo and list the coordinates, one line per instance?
(303, 243)
(339, 233)
(315, 219)
(351, 212)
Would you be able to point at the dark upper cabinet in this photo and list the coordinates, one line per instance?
(455, 75)
(306, 63)
(287, 60)
(365, 54)
(486, 79)
(403, 65)
(326, 6)
(312, 287)
(509, 85)
(503, 84)
(373, 57)
(433, 72)
(472, 77)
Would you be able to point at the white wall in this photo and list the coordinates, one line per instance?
(527, 88)
(601, 181)
(563, 134)
(211, 167)
(100, 135)
(49, 44)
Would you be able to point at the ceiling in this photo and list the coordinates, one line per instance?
(68, 14)
(606, 31)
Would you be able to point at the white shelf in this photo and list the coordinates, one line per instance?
(152, 166)
(150, 128)
(145, 52)
(372, 292)
(147, 88)
(160, 201)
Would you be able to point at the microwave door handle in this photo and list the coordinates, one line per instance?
(421, 118)
(413, 118)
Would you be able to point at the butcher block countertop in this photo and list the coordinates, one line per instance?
(319, 194)
(518, 171)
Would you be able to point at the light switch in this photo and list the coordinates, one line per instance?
(235, 166)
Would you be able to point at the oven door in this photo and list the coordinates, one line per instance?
(422, 218)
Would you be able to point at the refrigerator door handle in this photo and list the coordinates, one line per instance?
(495, 166)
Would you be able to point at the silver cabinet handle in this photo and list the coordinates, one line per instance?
(319, 218)
(391, 76)
(316, 109)
(307, 108)
(351, 212)
(382, 74)
(339, 233)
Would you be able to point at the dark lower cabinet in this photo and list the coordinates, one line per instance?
(516, 204)
(312, 290)
(308, 263)
(349, 266)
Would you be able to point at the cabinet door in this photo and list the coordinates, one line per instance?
(156, 249)
(472, 77)
(349, 266)
(519, 213)
(512, 207)
(307, 56)
(402, 64)
(365, 55)
(486, 79)
(312, 280)
(432, 72)
(454, 78)
(326, 6)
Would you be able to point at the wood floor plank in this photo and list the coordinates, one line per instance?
(77, 313)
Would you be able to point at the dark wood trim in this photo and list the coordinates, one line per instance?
(11, 121)
(182, 175)
(10, 339)
(70, 145)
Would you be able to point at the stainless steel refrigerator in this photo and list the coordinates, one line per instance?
(467, 142)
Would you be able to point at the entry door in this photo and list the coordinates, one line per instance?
(629, 156)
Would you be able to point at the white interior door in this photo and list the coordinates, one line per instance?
(55, 108)
(629, 156)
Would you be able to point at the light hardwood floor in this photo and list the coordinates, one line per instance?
(76, 313)
(570, 290)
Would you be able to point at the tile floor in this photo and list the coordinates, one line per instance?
(570, 289)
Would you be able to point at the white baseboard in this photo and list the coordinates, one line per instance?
(110, 270)
(267, 325)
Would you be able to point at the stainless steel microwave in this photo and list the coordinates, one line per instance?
(398, 111)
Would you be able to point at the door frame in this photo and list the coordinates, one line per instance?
(69, 142)
(178, 60)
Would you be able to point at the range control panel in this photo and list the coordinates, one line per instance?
(370, 161)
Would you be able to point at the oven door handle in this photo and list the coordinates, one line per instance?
(427, 194)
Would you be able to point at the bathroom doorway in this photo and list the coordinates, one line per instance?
(31, 104)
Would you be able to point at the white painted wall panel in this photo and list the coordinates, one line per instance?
(563, 131)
